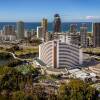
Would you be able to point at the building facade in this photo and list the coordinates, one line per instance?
(57, 23)
(20, 30)
(27, 34)
(83, 34)
(8, 30)
(44, 24)
(33, 32)
(59, 54)
(8, 33)
(75, 39)
(40, 34)
(96, 34)
(73, 28)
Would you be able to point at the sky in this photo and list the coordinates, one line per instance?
(35, 10)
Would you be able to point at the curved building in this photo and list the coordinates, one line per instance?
(59, 54)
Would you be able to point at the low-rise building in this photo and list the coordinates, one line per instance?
(77, 73)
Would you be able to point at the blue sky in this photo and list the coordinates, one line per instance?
(35, 10)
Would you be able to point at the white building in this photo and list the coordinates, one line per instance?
(7, 37)
(32, 32)
(8, 33)
(64, 37)
(27, 34)
(77, 73)
(40, 32)
(59, 54)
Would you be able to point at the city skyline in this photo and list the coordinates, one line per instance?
(35, 10)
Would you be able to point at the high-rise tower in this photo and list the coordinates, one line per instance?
(73, 28)
(96, 34)
(57, 23)
(83, 34)
(20, 30)
(44, 25)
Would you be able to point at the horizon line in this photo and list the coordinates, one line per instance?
(49, 21)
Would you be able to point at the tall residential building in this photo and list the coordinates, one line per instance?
(83, 34)
(57, 54)
(74, 34)
(20, 30)
(44, 24)
(8, 30)
(57, 23)
(73, 28)
(96, 34)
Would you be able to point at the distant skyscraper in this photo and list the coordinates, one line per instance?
(73, 28)
(74, 34)
(20, 30)
(96, 34)
(8, 33)
(44, 24)
(8, 30)
(57, 23)
(83, 34)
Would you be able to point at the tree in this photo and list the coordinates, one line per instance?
(77, 90)
(18, 95)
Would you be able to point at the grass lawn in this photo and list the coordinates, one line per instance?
(26, 51)
(4, 70)
(93, 50)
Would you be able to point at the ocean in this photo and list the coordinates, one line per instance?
(65, 25)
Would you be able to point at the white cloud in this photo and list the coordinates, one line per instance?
(92, 17)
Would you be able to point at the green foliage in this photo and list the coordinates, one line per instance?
(9, 81)
(5, 56)
(14, 63)
(27, 51)
(18, 95)
(55, 76)
(25, 69)
(13, 86)
(77, 90)
(4, 70)
(13, 48)
(36, 41)
(92, 51)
